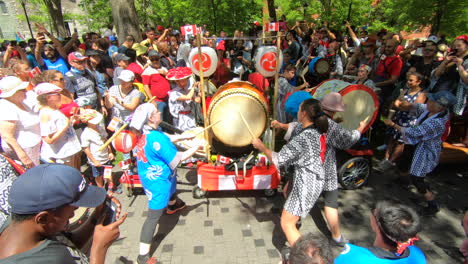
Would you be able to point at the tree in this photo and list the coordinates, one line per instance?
(55, 12)
(125, 19)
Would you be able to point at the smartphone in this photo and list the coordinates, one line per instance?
(110, 211)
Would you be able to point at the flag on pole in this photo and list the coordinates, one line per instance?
(273, 26)
(34, 72)
(189, 30)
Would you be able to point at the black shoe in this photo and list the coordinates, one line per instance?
(179, 205)
(146, 259)
(285, 253)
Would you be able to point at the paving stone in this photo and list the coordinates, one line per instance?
(246, 233)
(273, 253)
(218, 232)
(215, 202)
(199, 250)
(224, 210)
(167, 248)
(259, 242)
(208, 223)
(181, 222)
(199, 209)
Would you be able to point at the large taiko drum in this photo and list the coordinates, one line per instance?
(361, 102)
(232, 101)
(319, 66)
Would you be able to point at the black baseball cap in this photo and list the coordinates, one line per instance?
(49, 186)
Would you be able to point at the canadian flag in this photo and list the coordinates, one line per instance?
(189, 30)
(274, 26)
(34, 72)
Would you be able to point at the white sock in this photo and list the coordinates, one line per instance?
(144, 248)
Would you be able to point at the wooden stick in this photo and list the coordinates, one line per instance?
(275, 95)
(208, 127)
(247, 125)
(202, 85)
(113, 136)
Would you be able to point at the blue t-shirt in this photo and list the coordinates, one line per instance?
(155, 152)
(60, 65)
(353, 254)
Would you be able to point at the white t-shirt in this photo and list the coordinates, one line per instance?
(65, 146)
(27, 124)
(93, 140)
(118, 110)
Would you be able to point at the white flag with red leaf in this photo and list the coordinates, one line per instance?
(189, 30)
(273, 26)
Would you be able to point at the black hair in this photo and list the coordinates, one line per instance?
(149, 29)
(129, 38)
(103, 43)
(294, 34)
(131, 53)
(312, 249)
(18, 218)
(418, 75)
(315, 114)
(397, 222)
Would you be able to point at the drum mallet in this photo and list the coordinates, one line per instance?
(201, 131)
(247, 125)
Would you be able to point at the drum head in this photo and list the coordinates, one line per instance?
(232, 100)
(361, 103)
(322, 67)
(80, 216)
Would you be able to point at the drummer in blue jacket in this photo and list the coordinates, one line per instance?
(427, 136)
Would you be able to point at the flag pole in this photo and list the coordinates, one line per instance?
(275, 95)
(202, 89)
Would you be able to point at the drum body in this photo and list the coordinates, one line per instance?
(232, 101)
(81, 215)
(319, 66)
(361, 102)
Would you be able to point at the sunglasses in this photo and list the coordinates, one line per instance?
(59, 80)
(80, 62)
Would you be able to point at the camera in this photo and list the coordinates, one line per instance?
(110, 209)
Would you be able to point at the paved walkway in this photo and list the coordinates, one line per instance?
(243, 227)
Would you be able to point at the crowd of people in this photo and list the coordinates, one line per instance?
(62, 94)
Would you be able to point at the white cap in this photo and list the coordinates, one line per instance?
(45, 88)
(127, 76)
(9, 85)
(433, 38)
(91, 116)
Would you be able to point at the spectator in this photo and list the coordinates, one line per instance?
(388, 70)
(365, 54)
(312, 249)
(59, 141)
(102, 46)
(396, 227)
(363, 78)
(424, 64)
(284, 89)
(19, 124)
(30, 49)
(138, 60)
(335, 58)
(155, 82)
(13, 53)
(127, 44)
(124, 98)
(54, 55)
(151, 42)
(96, 68)
(464, 245)
(167, 61)
(157, 160)
(92, 139)
(122, 61)
(35, 234)
(67, 106)
(81, 82)
(294, 49)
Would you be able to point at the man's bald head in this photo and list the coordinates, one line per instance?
(390, 47)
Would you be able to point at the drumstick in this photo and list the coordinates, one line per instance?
(113, 136)
(246, 124)
(201, 131)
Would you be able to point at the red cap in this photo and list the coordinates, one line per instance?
(160, 28)
(76, 56)
(464, 37)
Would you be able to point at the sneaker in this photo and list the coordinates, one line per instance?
(341, 241)
(382, 147)
(384, 165)
(146, 259)
(179, 205)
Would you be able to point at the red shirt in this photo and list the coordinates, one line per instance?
(157, 83)
(390, 66)
(258, 80)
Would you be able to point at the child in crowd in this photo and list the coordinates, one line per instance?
(284, 89)
(426, 134)
(92, 139)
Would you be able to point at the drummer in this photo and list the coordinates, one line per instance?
(306, 153)
(337, 137)
(182, 98)
(284, 89)
(157, 160)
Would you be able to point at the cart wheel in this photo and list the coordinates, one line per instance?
(354, 173)
(198, 193)
(270, 192)
(128, 190)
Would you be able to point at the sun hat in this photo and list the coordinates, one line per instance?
(49, 186)
(444, 98)
(45, 88)
(332, 102)
(9, 85)
(179, 73)
(91, 116)
(126, 76)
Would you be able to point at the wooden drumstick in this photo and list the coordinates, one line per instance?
(246, 124)
(201, 131)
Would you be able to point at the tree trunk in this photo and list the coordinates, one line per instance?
(55, 11)
(125, 19)
(272, 10)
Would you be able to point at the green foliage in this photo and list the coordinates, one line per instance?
(98, 14)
